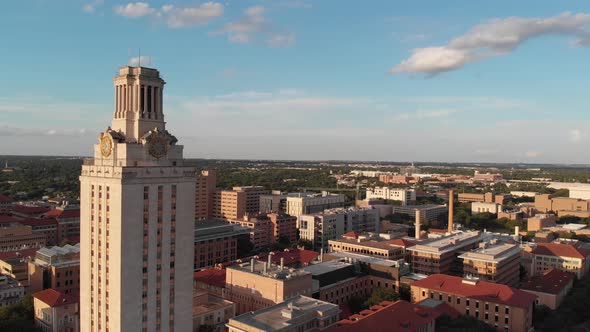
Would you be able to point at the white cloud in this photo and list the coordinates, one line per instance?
(576, 135)
(135, 9)
(182, 17)
(145, 60)
(280, 40)
(250, 25)
(173, 16)
(421, 115)
(494, 38)
(91, 6)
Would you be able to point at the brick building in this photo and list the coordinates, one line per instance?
(494, 262)
(504, 307)
(566, 257)
(57, 268)
(205, 187)
(217, 242)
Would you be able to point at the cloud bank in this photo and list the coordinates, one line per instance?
(494, 38)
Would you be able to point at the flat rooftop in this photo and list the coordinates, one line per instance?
(326, 267)
(447, 243)
(273, 272)
(285, 314)
(354, 257)
(493, 253)
(213, 229)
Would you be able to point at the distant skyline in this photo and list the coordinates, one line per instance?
(502, 81)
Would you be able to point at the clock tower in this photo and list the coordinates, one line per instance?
(137, 214)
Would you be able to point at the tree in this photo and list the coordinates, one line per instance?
(463, 323)
(356, 304)
(380, 294)
(306, 244)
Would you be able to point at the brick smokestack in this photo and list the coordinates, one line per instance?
(451, 209)
(417, 224)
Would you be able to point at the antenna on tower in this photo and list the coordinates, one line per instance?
(139, 57)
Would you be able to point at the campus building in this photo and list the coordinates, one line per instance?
(493, 261)
(440, 255)
(504, 307)
(137, 200)
(321, 227)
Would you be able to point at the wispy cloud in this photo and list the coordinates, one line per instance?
(421, 115)
(92, 6)
(494, 38)
(251, 26)
(135, 9)
(173, 16)
(576, 135)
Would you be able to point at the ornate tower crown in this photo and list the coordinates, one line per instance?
(138, 102)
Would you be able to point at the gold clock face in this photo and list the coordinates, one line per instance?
(158, 147)
(106, 146)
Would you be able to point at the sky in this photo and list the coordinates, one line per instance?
(447, 81)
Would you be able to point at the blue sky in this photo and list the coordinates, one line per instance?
(502, 81)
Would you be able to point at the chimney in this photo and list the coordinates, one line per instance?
(282, 263)
(516, 231)
(321, 254)
(451, 209)
(417, 224)
(252, 265)
(269, 259)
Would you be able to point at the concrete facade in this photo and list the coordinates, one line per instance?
(137, 212)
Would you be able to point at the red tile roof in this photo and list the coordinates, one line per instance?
(560, 250)
(400, 316)
(353, 235)
(291, 256)
(212, 276)
(59, 213)
(401, 243)
(484, 291)
(18, 253)
(552, 282)
(54, 298)
(5, 198)
(29, 209)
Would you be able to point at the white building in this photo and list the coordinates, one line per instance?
(481, 207)
(311, 203)
(329, 225)
(576, 189)
(394, 194)
(137, 212)
(299, 314)
(11, 291)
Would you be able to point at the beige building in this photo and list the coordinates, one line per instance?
(440, 255)
(504, 307)
(57, 268)
(236, 203)
(211, 311)
(299, 314)
(562, 205)
(566, 257)
(313, 203)
(382, 245)
(330, 224)
(405, 196)
(138, 211)
(205, 187)
(481, 207)
(15, 236)
(550, 287)
(256, 285)
(493, 261)
(56, 311)
(540, 221)
(482, 198)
